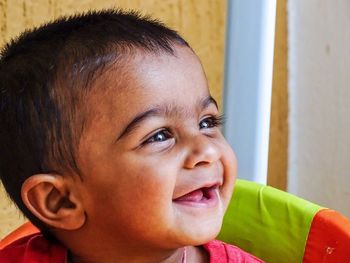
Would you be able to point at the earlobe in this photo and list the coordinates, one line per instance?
(54, 200)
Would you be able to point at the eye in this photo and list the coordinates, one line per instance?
(159, 136)
(211, 122)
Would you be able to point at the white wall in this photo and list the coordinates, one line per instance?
(319, 99)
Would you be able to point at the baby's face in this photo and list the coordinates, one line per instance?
(157, 170)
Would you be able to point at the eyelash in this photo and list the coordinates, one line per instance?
(153, 139)
(213, 121)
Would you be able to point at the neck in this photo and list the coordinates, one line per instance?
(181, 255)
(124, 251)
(177, 256)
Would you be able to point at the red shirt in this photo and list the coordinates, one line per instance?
(220, 252)
(36, 249)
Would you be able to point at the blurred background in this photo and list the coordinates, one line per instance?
(306, 123)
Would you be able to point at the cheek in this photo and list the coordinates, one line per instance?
(136, 186)
(229, 163)
(228, 157)
(141, 199)
(129, 205)
(150, 179)
(230, 160)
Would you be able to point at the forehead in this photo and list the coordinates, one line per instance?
(149, 80)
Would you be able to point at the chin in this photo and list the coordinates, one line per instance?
(203, 233)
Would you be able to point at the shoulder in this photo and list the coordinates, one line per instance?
(33, 248)
(225, 253)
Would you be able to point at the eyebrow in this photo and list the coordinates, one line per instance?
(207, 101)
(159, 111)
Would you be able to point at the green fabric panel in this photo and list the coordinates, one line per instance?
(269, 223)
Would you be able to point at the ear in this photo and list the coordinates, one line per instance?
(54, 200)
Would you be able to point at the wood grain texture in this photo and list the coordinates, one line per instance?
(10, 216)
(200, 22)
(278, 148)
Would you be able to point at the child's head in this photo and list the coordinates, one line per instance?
(109, 133)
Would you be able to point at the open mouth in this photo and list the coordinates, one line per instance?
(202, 196)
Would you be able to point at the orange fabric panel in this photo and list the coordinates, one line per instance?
(329, 238)
(24, 230)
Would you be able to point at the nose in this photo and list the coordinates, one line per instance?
(202, 151)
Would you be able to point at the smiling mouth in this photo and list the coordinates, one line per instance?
(205, 196)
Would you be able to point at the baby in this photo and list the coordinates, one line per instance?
(111, 144)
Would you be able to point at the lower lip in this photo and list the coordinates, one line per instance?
(210, 201)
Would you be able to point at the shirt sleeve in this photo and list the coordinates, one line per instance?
(33, 249)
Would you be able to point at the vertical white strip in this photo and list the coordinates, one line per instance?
(248, 83)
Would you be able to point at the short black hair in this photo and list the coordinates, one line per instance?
(44, 75)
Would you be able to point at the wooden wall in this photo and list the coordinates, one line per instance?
(278, 148)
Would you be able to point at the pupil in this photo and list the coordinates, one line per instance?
(205, 124)
(159, 137)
